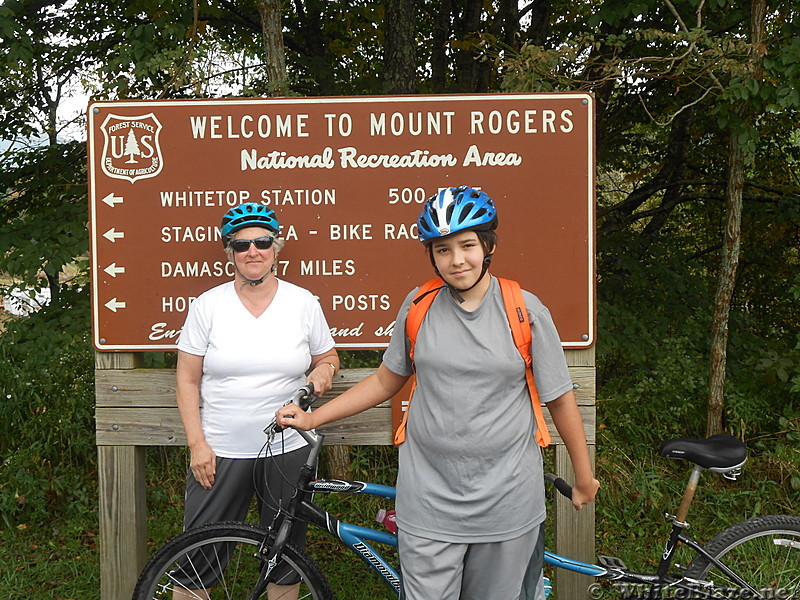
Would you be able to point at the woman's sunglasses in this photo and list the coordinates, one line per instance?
(243, 245)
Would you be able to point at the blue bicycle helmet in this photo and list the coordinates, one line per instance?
(246, 215)
(456, 209)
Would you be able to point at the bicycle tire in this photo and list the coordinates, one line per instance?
(220, 560)
(764, 552)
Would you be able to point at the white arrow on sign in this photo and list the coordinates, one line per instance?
(112, 236)
(111, 199)
(114, 270)
(114, 304)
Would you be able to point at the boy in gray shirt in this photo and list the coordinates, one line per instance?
(470, 497)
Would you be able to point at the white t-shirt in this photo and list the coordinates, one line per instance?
(252, 365)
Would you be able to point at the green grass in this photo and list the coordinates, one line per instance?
(57, 560)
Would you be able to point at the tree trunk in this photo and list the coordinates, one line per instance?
(440, 37)
(466, 29)
(733, 233)
(400, 50)
(540, 21)
(337, 462)
(274, 51)
(725, 286)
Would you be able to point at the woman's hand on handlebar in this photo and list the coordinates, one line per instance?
(321, 378)
(292, 415)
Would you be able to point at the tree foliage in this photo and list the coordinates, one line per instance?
(674, 81)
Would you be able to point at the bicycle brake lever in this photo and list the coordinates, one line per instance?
(271, 430)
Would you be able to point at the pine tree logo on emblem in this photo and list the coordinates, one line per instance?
(131, 147)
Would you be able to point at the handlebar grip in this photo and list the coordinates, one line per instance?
(562, 486)
(304, 397)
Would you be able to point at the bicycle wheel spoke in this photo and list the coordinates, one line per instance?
(766, 567)
(764, 552)
(221, 562)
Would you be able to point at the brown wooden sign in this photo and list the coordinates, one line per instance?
(346, 177)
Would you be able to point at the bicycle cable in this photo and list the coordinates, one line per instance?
(277, 503)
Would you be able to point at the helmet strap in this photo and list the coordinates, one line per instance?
(455, 292)
(254, 282)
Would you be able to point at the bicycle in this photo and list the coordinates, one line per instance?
(757, 558)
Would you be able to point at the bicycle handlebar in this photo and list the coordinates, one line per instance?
(303, 397)
(562, 486)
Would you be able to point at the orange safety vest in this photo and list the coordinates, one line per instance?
(520, 330)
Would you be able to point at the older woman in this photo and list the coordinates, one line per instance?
(247, 346)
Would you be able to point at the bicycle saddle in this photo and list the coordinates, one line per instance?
(720, 453)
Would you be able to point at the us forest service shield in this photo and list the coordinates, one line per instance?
(131, 148)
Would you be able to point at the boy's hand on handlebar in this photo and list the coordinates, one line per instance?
(583, 494)
(292, 415)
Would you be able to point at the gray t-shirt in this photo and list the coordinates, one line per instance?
(470, 469)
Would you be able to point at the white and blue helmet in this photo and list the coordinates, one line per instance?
(452, 210)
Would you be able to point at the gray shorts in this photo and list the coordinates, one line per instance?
(507, 570)
(237, 480)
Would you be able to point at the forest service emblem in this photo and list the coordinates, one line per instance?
(131, 148)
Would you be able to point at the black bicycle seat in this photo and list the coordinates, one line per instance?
(720, 453)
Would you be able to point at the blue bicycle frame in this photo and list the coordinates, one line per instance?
(354, 536)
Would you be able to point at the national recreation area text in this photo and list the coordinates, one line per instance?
(420, 124)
